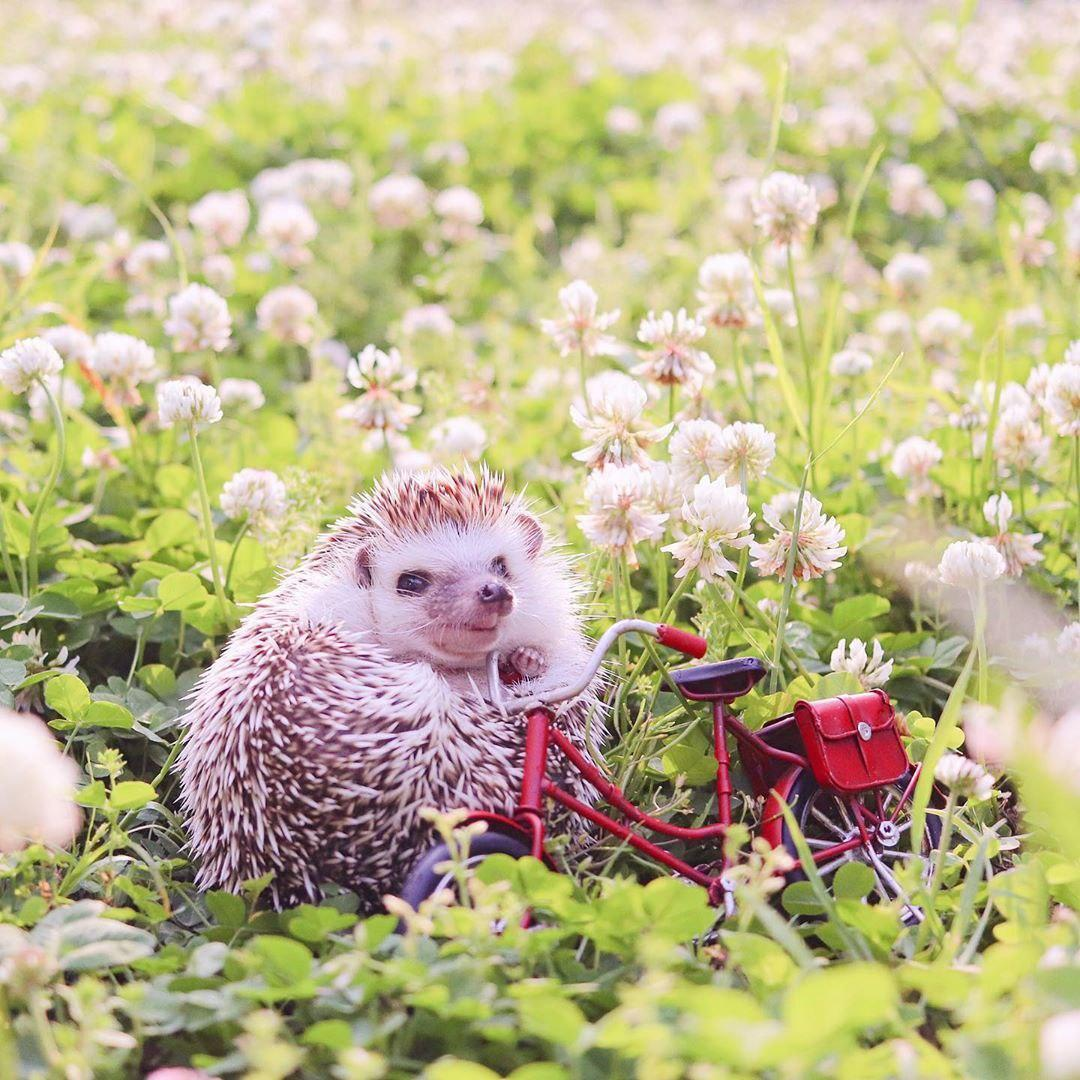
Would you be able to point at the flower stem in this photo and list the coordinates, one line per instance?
(208, 520)
(235, 548)
(31, 580)
(789, 583)
(793, 285)
(583, 373)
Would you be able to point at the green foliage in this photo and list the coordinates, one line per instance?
(121, 583)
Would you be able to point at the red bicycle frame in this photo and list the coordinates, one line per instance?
(772, 771)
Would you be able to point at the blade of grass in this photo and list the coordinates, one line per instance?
(823, 377)
(776, 354)
(950, 717)
(854, 944)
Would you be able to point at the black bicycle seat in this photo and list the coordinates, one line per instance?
(723, 681)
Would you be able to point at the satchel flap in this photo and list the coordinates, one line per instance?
(853, 716)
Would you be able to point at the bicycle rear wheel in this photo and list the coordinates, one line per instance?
(826, 820)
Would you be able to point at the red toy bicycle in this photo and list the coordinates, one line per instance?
(838, 763)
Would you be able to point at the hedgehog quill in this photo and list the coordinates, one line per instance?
(352, 696)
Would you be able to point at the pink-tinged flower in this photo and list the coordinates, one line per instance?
(382, 376)
(581, 329)
(673, 356)
(1017, 549)
(818, 544)
(198, 319)
(726, 291)
(745, 452)
(614, 423)
(912, 461)
(620, 513)
(715, 516)
(785, 208)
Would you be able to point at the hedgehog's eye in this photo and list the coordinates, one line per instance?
(498, 566)
(412, 584)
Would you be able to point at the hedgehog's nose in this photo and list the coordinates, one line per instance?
(496, 595)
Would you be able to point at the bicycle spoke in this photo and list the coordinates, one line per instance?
(830, 825)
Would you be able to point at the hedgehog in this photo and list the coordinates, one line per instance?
(353, 695)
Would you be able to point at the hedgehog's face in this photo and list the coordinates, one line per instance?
(451, 595)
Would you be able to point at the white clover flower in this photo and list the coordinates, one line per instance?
(785, 208)
(781, 305)
(1053, 157)
(622, 121)
(745, 452)
(894, 328)
(1072, 352)
(614, 422)
(1063, 397)
(673, 357)
(697, 450)
(37, 785)
(714, 516)
(980, 201)
(287, 227)
(675, 122)
(990, 734)
(198, 319)
(911, 196)
(818, 545)
(726, 291)
(382, 376)
(28, 360)
(1030, 245)
(145, 259)
(620, 513)
(219, 271)
(1019, 442)
(666, 495)
(912, 461)
(850, 363)
(17, 258)
(244, 395)
(460, 212)
(942, 332)
(187, 401)
(255, 494)
(581, 329)
(907, 274)
(871, 670)
(287, 314)
(398, 201)
(74, 345)
(1018, 549)
(966, 564)
(457, 438)
(221, 218)
(124, 361)
(427, 319)
(1059, 1047)
(844, 123)
(964, 777)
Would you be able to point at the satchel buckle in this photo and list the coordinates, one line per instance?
(864, 730)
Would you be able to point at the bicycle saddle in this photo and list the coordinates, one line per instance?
(723, 681)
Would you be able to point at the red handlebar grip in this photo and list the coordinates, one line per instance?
(682, 640)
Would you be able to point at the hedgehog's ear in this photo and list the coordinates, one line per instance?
(533, 532)
(362, 563)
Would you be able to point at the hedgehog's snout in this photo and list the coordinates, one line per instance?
(495, 596)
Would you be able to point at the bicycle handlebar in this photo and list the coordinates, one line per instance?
(681, 640)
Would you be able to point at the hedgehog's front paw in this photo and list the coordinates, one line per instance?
(528, 662)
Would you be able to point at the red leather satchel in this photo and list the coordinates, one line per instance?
(852, 741)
